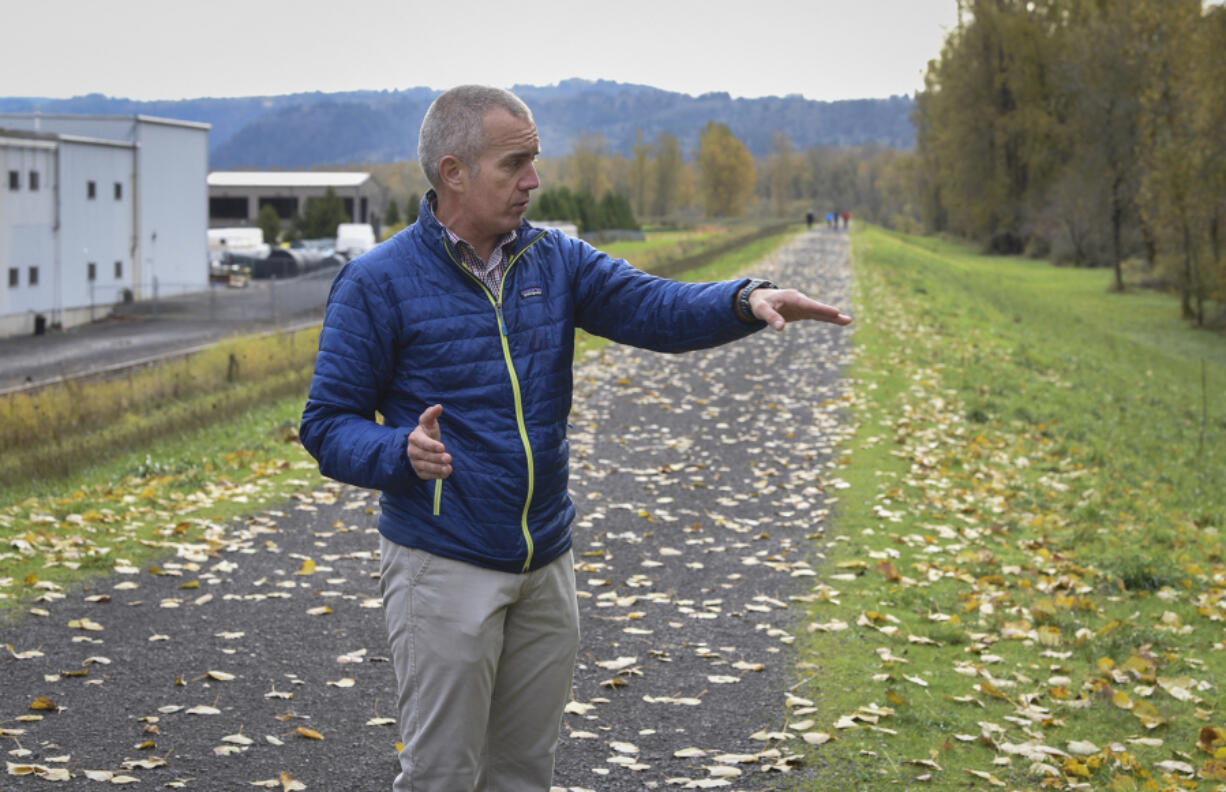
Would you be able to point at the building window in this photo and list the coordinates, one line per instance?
(91, 190)
(33, 181)
(93, 271)
(33, 276)
(227, 208)
(118, 191)
(118, 269)
(286, 207)
(14, 278)
(14, 180)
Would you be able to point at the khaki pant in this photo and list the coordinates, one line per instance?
(483, 668)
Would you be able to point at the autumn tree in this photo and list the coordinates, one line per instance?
(870, 181)
(989, 118)
(667, 169)
(586, 168)
(780, 175)
(1085, 130)
(1102, 73)
(1209, 122)
(640, 175)
(1171, 193)
(725, 172)
(832, 178)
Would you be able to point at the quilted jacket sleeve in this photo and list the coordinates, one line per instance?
(627, 305)
(353, 369)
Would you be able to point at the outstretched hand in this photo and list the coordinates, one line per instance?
(426, 451)
(777, 307)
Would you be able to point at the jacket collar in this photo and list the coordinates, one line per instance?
(433, 231)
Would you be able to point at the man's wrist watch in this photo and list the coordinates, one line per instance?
(744, 312)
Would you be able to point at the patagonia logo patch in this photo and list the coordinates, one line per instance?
(531, 291)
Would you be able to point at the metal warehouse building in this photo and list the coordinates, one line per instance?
(95, 210)
(236, 197)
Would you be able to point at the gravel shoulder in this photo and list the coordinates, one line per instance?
(700, 481)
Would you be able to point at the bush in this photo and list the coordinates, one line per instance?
(270, 223)
(611, 212)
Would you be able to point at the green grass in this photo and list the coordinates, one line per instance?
(1031, 527)
(675, 242)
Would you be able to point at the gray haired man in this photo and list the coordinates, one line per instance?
(459, 332)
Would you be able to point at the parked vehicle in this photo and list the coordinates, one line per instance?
(247, 241)
(281, 263)
(354, 239)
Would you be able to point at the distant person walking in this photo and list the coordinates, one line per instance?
(809, 220)
(846, 217)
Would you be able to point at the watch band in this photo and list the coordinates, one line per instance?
(742, 301)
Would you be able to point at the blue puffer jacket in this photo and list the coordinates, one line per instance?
(407, 326)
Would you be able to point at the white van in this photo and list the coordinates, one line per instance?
(241, 239)
(354, 239)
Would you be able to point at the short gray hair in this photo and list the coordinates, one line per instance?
(455, 125)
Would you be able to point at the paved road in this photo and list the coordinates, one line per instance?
(699, 480)
(142, 330)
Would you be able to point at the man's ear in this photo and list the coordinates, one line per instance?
(452, 173)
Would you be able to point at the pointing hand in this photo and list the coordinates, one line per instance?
(777, 307)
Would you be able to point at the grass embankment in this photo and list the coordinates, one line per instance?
(57, 430)
(119, 473)
(1026, 586)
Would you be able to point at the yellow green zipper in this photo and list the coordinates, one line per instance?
(519, 404)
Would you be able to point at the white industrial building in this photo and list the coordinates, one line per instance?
(95, 210)
(236, 197)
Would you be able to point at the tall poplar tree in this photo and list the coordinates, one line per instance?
(586, 166)
(1171, 193)
(725, 172)
(640, 175)
(780, 177)
(1210, 122)
(667, 167)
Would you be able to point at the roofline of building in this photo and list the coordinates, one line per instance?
(52, 139)
(264, 180)
(93, 141)
(148, 119)
(145, 119)
(25, 134)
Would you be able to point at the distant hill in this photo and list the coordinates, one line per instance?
(313, 129)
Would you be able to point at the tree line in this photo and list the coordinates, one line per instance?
(1091, 131)
(661, 183)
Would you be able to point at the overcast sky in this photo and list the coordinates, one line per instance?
(175, 49)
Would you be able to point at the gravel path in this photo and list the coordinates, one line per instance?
(698, 479)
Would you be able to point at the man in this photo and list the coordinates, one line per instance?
(459, 332)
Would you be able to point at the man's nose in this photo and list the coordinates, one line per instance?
(529, 180)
